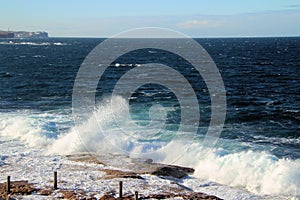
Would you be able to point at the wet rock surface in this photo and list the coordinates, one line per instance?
(114, 169)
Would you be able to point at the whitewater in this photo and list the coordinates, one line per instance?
(44, 137)
(257, 155)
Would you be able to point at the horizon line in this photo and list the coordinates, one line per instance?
(196, 37)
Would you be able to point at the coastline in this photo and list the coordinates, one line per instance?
(165, 182)
(83, 176)
(257, 158)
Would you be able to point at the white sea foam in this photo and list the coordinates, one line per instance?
(59, 43)
(34, 129)
(259, 172)
(126, 65)
(23, 129)
(33, 43)
(277, 140)
(38, 56)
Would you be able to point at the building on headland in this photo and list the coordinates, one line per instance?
(23, 34)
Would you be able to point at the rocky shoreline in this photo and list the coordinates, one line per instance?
(21, 188)
(175, 190)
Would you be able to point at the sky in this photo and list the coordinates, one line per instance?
(195, 18)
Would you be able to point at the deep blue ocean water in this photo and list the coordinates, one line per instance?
(261, 77)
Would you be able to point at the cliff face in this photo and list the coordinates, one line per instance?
(5, 34)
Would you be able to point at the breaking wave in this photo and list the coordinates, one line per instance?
(259, 172)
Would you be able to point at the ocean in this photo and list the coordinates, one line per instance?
(258, 150)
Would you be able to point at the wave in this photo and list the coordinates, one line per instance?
(100, 133)
(21, 128)
(32, 128)
(125, 65)
(259, 172)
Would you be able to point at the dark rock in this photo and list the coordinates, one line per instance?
(67, 194)
(111, 197)
(173, 171)
(159, 196)
(107, 197)
(17, 187)
(46, 192)
(149, 161)
(198, 195)
(111, 174)
(136, 165)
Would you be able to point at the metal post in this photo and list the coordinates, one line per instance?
(8, 185)
(55, 180)
(120, 189)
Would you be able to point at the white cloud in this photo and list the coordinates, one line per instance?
(269, 23)
(197, 24)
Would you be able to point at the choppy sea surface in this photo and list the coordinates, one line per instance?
(258, 150)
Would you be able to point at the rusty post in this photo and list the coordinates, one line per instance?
(136, 195)
(8, 185)
(55, 180)
(120, 189)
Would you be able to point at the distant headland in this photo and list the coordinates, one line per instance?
(23, 34)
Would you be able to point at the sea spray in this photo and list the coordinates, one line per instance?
(101, 132)
(24, 128)
(259, 172)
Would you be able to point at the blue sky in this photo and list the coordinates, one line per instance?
(196, 18)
